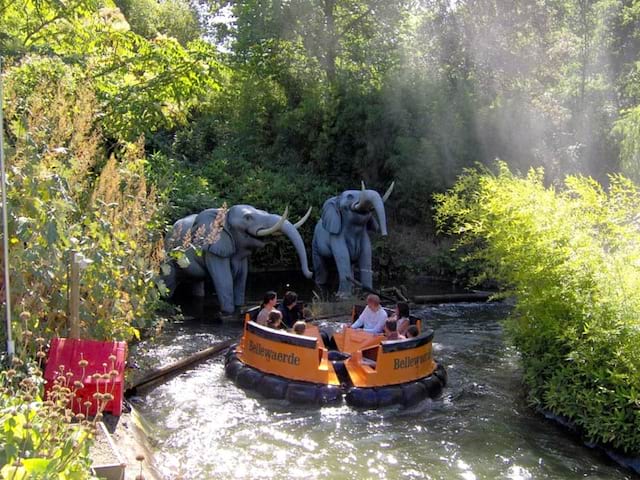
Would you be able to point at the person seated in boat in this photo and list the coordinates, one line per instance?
(274, 320)
(373, 317)
(401, 316)
(290, 310)
(268, 304)
(299, 327)
(412, 332)
(391, 330)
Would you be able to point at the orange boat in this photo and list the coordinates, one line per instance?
(366, 371)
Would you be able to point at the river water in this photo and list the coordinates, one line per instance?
(203, 427)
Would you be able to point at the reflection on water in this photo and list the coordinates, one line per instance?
(203, 426)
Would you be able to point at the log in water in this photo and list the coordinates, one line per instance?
(164, 373)
(453, 298)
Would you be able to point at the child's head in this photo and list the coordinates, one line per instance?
(412, 331)
(299, 327)
(274, 319)
(390, 326)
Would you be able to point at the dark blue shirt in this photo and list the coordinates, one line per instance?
(290, 316)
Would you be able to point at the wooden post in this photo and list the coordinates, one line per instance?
(74, 297)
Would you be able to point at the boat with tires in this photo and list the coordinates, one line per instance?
(365, 371)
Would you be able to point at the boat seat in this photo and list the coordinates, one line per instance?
(335, 355)
(368, 362)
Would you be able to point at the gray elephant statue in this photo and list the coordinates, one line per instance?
(342, 234)
(218, 246)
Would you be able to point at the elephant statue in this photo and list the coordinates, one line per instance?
(218, 244)
(342, 234)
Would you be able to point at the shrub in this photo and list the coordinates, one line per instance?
(66, 193)
(571, 256)
(40, 435)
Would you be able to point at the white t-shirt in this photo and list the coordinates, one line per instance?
(403, 325)
(263, 316)
(370, 321)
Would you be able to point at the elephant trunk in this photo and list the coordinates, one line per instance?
(378, 206)
(292, 234)
(365, 202)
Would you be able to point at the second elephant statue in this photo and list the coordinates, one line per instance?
(218, 246)
(342, 235)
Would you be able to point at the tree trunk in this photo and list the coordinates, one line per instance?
(331, 42)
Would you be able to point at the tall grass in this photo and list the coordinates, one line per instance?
(66, 192)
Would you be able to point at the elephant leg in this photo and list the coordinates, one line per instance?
(240, 272)
(219, 269)
(343, 262)
(320, 267)
(197, 289)
(170, 280)
(364, 262)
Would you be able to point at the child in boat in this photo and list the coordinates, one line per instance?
(373, 317)
(274, 320)
(391, 330)
(268, 304)
(402, 317)
(412, 331)
(299, 327)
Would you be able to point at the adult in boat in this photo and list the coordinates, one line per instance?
(402, 317)
(268, 303)
(373, 317)
(290, 310)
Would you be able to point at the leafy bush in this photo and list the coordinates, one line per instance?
(65, 193)
(142, 85)
(571, 256)
(40, 436)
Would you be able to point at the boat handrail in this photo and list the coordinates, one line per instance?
(281, 336)
(389, 346)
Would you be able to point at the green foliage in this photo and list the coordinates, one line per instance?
(173, 18)
(40, 439)
(627, 127)
(67, 194)
(143, 85)
(570, 255)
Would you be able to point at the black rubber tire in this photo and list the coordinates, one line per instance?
(441, 373)
(272, 387)
(365, 398)
(232, 368)
(413, 393)
(248, 378)
(433, 385)
(231, 352)
(329, 395)
(302, 393)
(391, 395)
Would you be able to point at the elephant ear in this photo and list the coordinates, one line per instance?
(331, 217)
(373, 225)
(225, 246)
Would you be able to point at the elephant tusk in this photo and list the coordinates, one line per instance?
(303, 219)
(362, 185)
(276, 227)
(388, 192)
